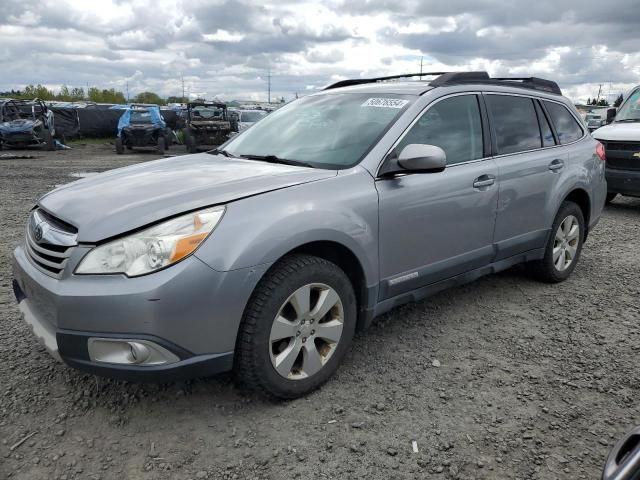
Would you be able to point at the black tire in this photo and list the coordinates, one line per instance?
(253, 369)
(190, 141)
(610, 197)
(119, 146)
(49, 142)
(160, 145)
(167, 142)
(545, 270)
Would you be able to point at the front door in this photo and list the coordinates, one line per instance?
(435, 226)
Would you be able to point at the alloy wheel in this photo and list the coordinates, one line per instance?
(565, 245)
(306, 331)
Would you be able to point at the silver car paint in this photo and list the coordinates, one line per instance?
(436, 225)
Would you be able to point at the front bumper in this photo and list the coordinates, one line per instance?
(625, 182)
(188, 309)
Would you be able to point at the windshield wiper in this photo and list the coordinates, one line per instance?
(628, 120)
(221, 152)
(276, 159)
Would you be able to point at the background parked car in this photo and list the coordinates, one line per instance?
(246, 118)
(621, 140)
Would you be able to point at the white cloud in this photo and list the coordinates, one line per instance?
(225, 47)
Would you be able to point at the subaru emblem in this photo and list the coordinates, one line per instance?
(37, 233)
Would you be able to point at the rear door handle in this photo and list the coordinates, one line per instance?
(556, 165)
(484, 181)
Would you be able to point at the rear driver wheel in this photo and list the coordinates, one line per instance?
(563, 247)
(296, 329)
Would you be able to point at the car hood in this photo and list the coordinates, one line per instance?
(628, 132)
(19, 125)
(125, 199)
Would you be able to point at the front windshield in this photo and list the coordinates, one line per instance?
(630, 110)
(325, 131)
(140, 116)
(251, 117)
(207, 113)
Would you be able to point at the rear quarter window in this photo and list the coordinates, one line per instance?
(567, 127)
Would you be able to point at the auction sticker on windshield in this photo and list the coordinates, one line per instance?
(385, 102)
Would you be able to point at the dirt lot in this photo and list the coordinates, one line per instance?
(503, 378)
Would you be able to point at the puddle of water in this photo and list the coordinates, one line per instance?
(83, 174)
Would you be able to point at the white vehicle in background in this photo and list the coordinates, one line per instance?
(621, 140)
(594, 121)
(246, 118)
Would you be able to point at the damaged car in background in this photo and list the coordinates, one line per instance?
(207, 123)
(142, 126)
(26, 123)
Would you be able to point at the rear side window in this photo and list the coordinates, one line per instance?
(515, 123)
(567, 127)
(453, 124)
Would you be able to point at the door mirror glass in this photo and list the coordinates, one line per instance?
(611, 114)
(417, 157)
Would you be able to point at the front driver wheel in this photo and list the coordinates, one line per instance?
(296, 328)
(563, 247)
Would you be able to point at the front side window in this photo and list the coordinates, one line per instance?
(333, 130)
(453, 124)
(515, 123)
(567, 126)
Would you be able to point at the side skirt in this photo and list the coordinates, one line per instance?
(429, 290)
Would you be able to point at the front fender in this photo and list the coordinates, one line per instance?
(261, 229)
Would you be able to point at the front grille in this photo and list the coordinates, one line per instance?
(623, 155)
(49, 252)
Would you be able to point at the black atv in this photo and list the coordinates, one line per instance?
(25, 123)
(142, 126)
(207, 123)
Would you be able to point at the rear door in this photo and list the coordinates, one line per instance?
(437, 225)
(530, 166)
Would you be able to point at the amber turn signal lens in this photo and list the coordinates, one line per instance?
(186, 245)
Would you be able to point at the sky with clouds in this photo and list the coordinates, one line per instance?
(225, 48)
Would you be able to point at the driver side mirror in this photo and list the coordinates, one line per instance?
(611, 114)
(416, 158)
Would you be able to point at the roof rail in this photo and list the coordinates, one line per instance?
(360, 81)
(533, 82)
(457, 78)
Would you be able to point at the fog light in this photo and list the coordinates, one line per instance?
(129, 352)
(139, 352)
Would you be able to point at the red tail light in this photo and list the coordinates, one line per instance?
(601, 152)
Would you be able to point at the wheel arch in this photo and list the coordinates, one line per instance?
(341, 255)
(580, 197)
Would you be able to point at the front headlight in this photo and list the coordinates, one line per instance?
(153, 248)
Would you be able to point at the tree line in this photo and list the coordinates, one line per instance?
(92, 94)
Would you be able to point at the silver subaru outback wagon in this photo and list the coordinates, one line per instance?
(265, 255)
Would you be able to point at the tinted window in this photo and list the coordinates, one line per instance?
(545, 128)
(454, 125)
(567, 127)
(515, 123)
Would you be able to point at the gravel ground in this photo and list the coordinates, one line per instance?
(502, 378)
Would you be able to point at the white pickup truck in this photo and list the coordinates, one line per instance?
(621, 139)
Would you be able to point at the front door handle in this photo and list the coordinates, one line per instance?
(556, 165)
(484, 181)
